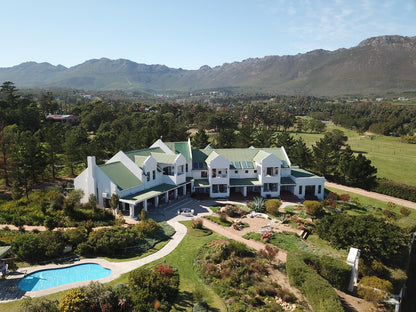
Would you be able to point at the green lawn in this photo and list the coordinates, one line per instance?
(408, 222)
(393, 159)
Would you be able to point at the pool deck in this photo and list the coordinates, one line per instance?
(9, 290)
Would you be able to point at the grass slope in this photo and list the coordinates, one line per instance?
(393, 159)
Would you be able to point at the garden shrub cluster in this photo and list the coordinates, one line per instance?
(238, 275)
(394, 189)
(377, 238)
(272, 206)
(319, 292)
(115, 241)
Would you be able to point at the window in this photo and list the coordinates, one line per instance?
(273, 187)
(269, 171)
(203, 174)
(186, 167)
(246, 171)
(214, 173)
(148, 176)
(255, 171)
(215, 188)
(154, 174)
(219, 171)
(236, 171)
(319, 189)
(300, 189)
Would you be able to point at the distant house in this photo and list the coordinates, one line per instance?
(163, 172)
(72, 119)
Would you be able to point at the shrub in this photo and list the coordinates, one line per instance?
(257, 204)
(146, 227)
(313, 207)
(39, 305)
(158, 286)
(223, 217)
(405, 211)
(75, 301)
(100, 295)
(197, 223)
(374, 289)
(272, 206)
(269, 252)
(266, 236)
(344, 197)
(317, 290)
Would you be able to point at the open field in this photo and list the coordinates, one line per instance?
(393, 159)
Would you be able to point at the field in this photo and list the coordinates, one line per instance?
(393, 159)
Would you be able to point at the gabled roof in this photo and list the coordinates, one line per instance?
(139, 160)
(260, 156)
(143, 152)
(240, 154)
(180, 148)
(164, 158)
(120, 175)
(211, 156)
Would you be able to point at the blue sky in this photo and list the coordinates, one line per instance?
(190, 34)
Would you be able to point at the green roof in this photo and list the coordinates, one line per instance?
(164, 158)
(244, 182)
(139, 160)
(211, 157)
(260, 156)
(180, 148)
(4, 250)
(300, 173)
(239, 154)
(143, 152)
(287, 181)
(120, 175)
(150, 193)
(201, 183)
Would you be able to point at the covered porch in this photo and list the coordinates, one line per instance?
(153, 198)
(245, 186)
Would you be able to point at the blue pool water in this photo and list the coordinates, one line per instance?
(44, 279)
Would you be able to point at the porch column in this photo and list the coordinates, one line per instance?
(131, 210)
(176, 193)
(156, 201)
(245, 191)
(167, 197)
(145, 205)
(184, 190)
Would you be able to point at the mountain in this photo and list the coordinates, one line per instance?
(376, 66)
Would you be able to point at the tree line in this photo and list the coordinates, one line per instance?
(33, 149)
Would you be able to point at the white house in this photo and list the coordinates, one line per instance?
(163, 172)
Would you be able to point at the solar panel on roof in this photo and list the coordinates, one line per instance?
(236, 164)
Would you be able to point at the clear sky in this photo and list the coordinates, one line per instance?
(190, 33)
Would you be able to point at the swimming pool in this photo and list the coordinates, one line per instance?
(44, 279)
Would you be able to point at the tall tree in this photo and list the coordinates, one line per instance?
(75, 146)
(200, 139)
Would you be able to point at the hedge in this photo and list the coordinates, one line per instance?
(319, 292)
(394, 189)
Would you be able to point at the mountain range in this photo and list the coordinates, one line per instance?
(375, 66)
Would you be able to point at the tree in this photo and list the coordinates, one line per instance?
(200, 139)
(41, 304)
(7, 139)
(53, 136)
(75, 146)
(114, 202)
(75, 301)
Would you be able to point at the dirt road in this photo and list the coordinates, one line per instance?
(385, 198)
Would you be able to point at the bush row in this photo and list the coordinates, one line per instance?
(319, 292)
(394, 189)
(35, 247)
